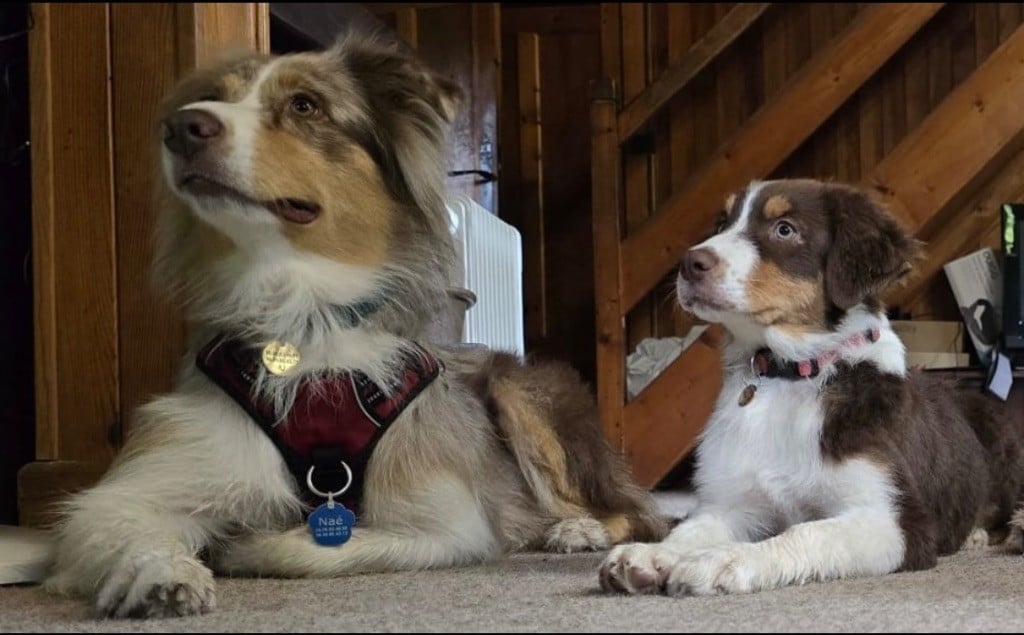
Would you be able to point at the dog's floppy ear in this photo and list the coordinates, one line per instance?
(869, 252)
(411, 109)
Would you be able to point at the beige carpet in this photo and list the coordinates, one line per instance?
(971, 591)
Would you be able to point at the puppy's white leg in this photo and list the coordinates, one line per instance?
(856, 543)
(643, 568)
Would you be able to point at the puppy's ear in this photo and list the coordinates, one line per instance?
(870, 251)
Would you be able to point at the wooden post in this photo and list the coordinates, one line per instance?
(607, 175)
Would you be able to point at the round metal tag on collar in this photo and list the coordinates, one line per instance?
(280, 357)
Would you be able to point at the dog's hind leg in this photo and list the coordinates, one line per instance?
(294, 554)
(440, 524)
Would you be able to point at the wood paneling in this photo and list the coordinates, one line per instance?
(144, 68)
(551, 208)
(103, 344)
(978, 125)
(73, 242)
(638, 110)
(775, 131)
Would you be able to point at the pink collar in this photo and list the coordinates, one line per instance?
(765, 364)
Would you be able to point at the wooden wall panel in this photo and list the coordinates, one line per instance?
(151, 334)
(103, 344)
(74, 253)
(545, 180)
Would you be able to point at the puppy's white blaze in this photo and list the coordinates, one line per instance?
(737, 254)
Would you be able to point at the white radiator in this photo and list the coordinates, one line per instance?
(490, 264)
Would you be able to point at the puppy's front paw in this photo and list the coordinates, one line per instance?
(637, 568)
(730, 569)
(156, 583)
(577, 534)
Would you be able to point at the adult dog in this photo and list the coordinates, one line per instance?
(825, 457)
(304, 229)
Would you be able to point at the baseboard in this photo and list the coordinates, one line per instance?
(42, 484)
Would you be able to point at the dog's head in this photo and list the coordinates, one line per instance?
(306, 180)
(794, 254)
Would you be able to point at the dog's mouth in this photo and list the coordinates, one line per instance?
(292, 210)
(692, 299)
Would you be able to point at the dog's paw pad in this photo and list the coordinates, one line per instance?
(577, 534)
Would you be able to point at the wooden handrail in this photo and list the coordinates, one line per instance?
(674, 79)
(771, 135)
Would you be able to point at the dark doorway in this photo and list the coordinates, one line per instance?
(17, 401)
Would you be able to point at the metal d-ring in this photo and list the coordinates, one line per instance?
(753, 370)
(328, 495)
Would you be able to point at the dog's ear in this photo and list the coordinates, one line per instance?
(411, 108)
(869, 251)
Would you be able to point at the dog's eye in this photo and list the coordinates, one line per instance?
(785, 230)
(209, 97)
(720, 224)
(304, 106)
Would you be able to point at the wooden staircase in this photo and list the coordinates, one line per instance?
(926, 177)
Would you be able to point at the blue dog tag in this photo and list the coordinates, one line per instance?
(331, 524)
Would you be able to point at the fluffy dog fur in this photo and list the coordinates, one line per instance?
(864, 469)
(292, 186)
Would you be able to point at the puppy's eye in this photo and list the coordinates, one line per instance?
(720, 224)
(785, 231)
(209, 97)
(304, 106)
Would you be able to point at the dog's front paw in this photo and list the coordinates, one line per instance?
(729, 569)
(638, 567)
(156, 584)
(577, 534)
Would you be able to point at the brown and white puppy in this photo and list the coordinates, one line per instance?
(825, 457)
(298, 188)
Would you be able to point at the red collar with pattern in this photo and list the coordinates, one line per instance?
(335, 419)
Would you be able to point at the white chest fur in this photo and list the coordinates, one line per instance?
(765, 458)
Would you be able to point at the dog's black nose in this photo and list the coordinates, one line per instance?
(188, 132)
(697, 263)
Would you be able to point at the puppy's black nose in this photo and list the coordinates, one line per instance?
(697, 263)
(189, 132)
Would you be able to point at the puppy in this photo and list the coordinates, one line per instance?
(303, 228)
(824, 458)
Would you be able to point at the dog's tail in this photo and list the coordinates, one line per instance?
(548, 418)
